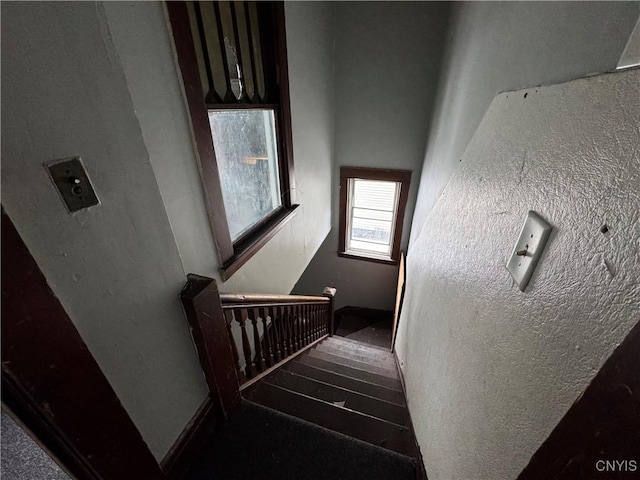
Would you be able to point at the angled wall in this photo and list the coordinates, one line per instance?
(490, 369)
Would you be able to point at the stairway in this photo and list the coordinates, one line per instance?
(345, 386)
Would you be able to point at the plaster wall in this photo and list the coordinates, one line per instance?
(504, 366)
(387, 59)
(493, 47)
(115, 267)
(99, 80)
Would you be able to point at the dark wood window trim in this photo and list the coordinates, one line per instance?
(401, 176)
(233, 255)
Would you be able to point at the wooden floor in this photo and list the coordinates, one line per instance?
(345, 386)
(373, 327)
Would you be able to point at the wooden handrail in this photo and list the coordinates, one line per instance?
(231, 300)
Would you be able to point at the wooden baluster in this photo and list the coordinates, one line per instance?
(300, 316)
(259, 357)
(284, 331)
(318, 321)
(295, 327)
(241, 317)
(228, 315)
(303, 324)
(325, 320)
(275, 323)
(286, 316)
(312, 322)
(268, 348)
(291, 333)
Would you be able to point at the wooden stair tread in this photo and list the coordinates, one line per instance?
(350, 372)
(348, 422)
(333, 394)
(353, 384)
(365, 346)
(350, 362)
(382, 360)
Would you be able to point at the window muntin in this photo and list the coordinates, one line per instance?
(372, 215)
(245, 145)
(372, 205)
(233, 56)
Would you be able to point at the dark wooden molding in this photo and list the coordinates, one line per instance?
(384, 174)
(284, 112)
(190, 442)
(188, 63)
(234, 254)
(602, 425)
(202, 306)
(52, 383)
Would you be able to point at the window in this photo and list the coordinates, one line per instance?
(232, 57)
(372, 204)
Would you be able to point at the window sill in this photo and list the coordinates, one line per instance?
(252, 245)
(355, 256)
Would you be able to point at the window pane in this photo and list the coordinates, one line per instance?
(245, 148)
(371, 230)
(372, 215)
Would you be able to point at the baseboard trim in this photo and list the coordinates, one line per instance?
(188, 444)
(421, 472)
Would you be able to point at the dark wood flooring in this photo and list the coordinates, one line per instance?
(372, 327)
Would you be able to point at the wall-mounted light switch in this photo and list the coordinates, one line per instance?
(528, 249)
(73, 184)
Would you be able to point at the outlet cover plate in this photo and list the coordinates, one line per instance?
(73, 184)
(533, 237)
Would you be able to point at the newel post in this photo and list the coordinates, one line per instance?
(201, 302)
(331, 293)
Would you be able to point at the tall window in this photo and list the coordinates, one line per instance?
(232, 57)
(372, 204)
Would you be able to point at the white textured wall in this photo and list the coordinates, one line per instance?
(491, 370)
(494, 47)
(387, 61)
(99, 80)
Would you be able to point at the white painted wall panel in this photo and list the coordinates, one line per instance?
(491, 370)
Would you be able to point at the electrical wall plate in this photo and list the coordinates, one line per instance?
(73, 183)
(528, 249)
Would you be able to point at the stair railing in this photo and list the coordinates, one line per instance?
(267, 330)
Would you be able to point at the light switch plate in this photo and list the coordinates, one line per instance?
(525, 255)
(72, 182)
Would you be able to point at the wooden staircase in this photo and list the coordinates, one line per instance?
(336, 394)
(345, 386)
